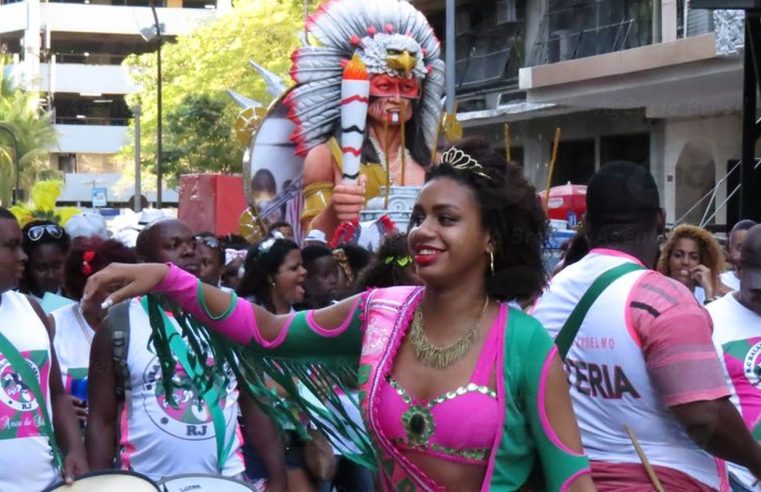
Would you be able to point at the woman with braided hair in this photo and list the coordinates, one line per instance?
(458, 390)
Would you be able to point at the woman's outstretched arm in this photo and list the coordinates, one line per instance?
(221, 311)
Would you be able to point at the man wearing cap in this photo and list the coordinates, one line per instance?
(737, 336)
(638, 352)
(315, 238)
(87, 224)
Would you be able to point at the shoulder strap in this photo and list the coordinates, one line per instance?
(210, 393)
(118, 324)
(571, 327)
(22, 369)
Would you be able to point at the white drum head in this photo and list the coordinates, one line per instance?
(113, 481)
(203, 483)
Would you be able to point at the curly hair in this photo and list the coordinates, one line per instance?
(391, 267)
(260, 268)
(711, 254)
(512, 214)
(100, 253)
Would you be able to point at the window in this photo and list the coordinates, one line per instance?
(575, 163)
(574, 29)
(635, 148)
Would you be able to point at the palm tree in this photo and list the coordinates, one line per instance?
(19, 112)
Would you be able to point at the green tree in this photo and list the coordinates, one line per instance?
(19, 112)
(205, 63)
(196, 141)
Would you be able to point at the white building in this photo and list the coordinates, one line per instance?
(71, 51)
(651, 81)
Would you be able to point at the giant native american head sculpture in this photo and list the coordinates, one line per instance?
(401, 53)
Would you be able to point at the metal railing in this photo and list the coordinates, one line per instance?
(91, 58)
(92, 120)
(489, 56)
(598, 27)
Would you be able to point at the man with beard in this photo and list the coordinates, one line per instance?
(162, 434)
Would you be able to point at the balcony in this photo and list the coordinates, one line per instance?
(102, 19)
(107, 19)
(695, 70)
(572, 30)
(79, 78)
(12, 17)
(90, 139)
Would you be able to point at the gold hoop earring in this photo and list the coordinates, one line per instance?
(491, 262)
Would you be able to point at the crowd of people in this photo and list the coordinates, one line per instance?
(634, 365)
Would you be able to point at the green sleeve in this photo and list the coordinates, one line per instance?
(314, 367)
(303, 341)
(526, 452)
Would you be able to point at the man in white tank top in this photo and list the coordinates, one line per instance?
(26, 455)
(737, 336)
(157, 438)
(643, 358)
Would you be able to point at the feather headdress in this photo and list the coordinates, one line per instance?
(378, 31)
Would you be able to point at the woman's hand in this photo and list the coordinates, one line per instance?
(702, 275)
(118, 282)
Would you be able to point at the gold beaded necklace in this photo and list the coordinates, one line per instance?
(441, 357)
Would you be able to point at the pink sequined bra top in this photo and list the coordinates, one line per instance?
(458, 426)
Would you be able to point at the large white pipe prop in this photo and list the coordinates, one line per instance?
(355, 97)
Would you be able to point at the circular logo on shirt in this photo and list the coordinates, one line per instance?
(187, 416)
(14, 392)
(752, 365)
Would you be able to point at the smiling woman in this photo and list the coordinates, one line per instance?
(458, 390)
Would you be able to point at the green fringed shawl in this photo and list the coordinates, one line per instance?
(329, 372)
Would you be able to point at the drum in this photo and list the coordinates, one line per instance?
(203, 483)
(111, 480)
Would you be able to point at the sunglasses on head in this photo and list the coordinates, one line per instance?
(209, 242)
(35, 233)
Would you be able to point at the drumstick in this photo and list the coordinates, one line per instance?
(551, 171)
(386, 163)
(643, 458)
(436, 140)
(404, 152)
(506, 130)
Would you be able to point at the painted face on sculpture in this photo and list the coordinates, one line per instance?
(390, 109)
(383, 85)
(391, 98)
